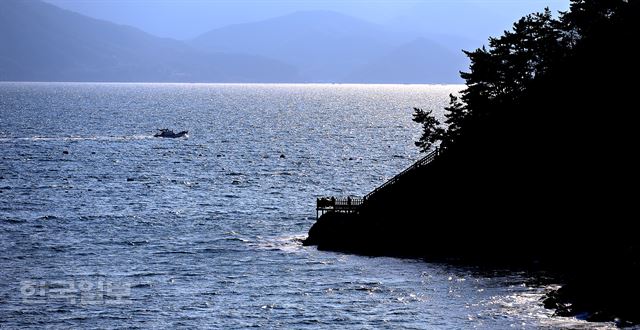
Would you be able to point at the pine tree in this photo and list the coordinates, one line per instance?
(431, 130)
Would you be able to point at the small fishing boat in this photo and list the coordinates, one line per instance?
(167, 133)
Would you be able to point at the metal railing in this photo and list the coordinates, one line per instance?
(349, 204)
(352, 204)
(339, 203)
(422, 162)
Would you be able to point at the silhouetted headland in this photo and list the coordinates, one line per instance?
(535, 166)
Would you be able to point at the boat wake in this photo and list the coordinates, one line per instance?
(76, 138)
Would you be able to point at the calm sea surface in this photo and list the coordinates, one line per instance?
(103, 226)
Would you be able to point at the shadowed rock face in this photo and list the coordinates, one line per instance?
(550, 222)
(518, 188)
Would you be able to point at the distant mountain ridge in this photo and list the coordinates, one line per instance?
(328, 46)
(41, 42)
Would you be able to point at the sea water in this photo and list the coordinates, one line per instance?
(102, 225)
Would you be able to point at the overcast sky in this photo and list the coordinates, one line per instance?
(182, 19)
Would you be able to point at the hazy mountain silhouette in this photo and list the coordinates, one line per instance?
(328, 47)
(322, 44)
(419, 61)
(41, 42)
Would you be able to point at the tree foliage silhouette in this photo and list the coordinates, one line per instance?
(430, 126)
(514, 66)
(545, 126)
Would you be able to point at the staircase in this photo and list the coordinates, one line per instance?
(420, 163)
(353, 204)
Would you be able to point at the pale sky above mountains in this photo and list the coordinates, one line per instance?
(186, 19)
